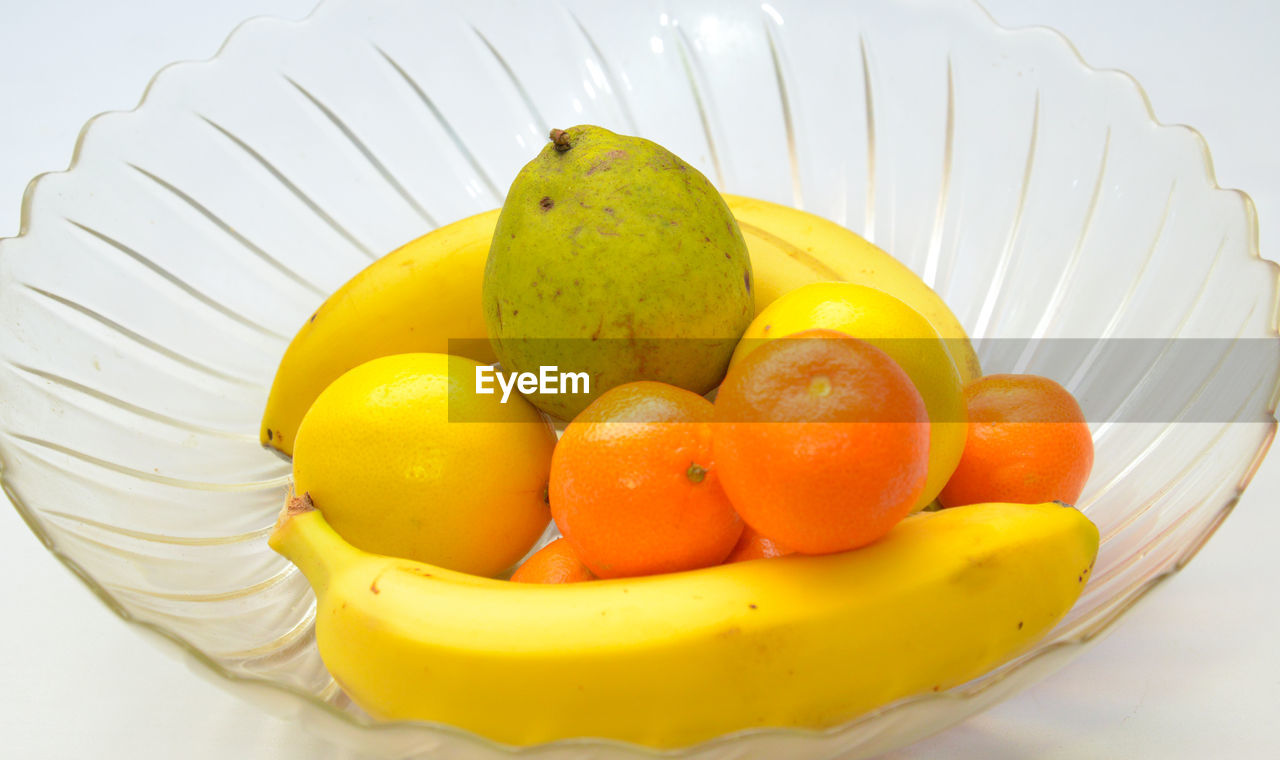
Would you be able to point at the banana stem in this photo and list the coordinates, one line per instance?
(302, 535)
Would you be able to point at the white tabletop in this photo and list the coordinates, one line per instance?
(1193, 672)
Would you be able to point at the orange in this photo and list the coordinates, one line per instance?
(633, 486)
(752, 545)
(822, 441)
(554, 563)
(1027, 443)
(893, 327)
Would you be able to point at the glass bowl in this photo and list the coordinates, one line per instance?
(155, 283)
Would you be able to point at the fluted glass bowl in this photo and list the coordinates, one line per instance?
(155, 284)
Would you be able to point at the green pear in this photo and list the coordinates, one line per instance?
(614, 258)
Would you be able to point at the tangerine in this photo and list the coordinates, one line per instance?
(1028, 443)
(753, 545)
(893, 327)
(821, 441)
(634, 488)
(554, 563)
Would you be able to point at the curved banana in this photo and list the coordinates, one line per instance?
(427, 292)
(671, 660)
(853, 259)
(413, 300)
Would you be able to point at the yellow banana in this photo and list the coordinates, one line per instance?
(671, 660)
(853, 259)
(779, 266)
(418, 297)
(413, 300)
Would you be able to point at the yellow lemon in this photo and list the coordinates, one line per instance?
(898, 330)
(405, 459)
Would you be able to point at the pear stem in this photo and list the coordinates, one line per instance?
(561, 140)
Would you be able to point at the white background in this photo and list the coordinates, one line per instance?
(1193, 672)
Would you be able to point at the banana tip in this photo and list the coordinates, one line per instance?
(299, 504)
(277, 450)
(294, 505)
